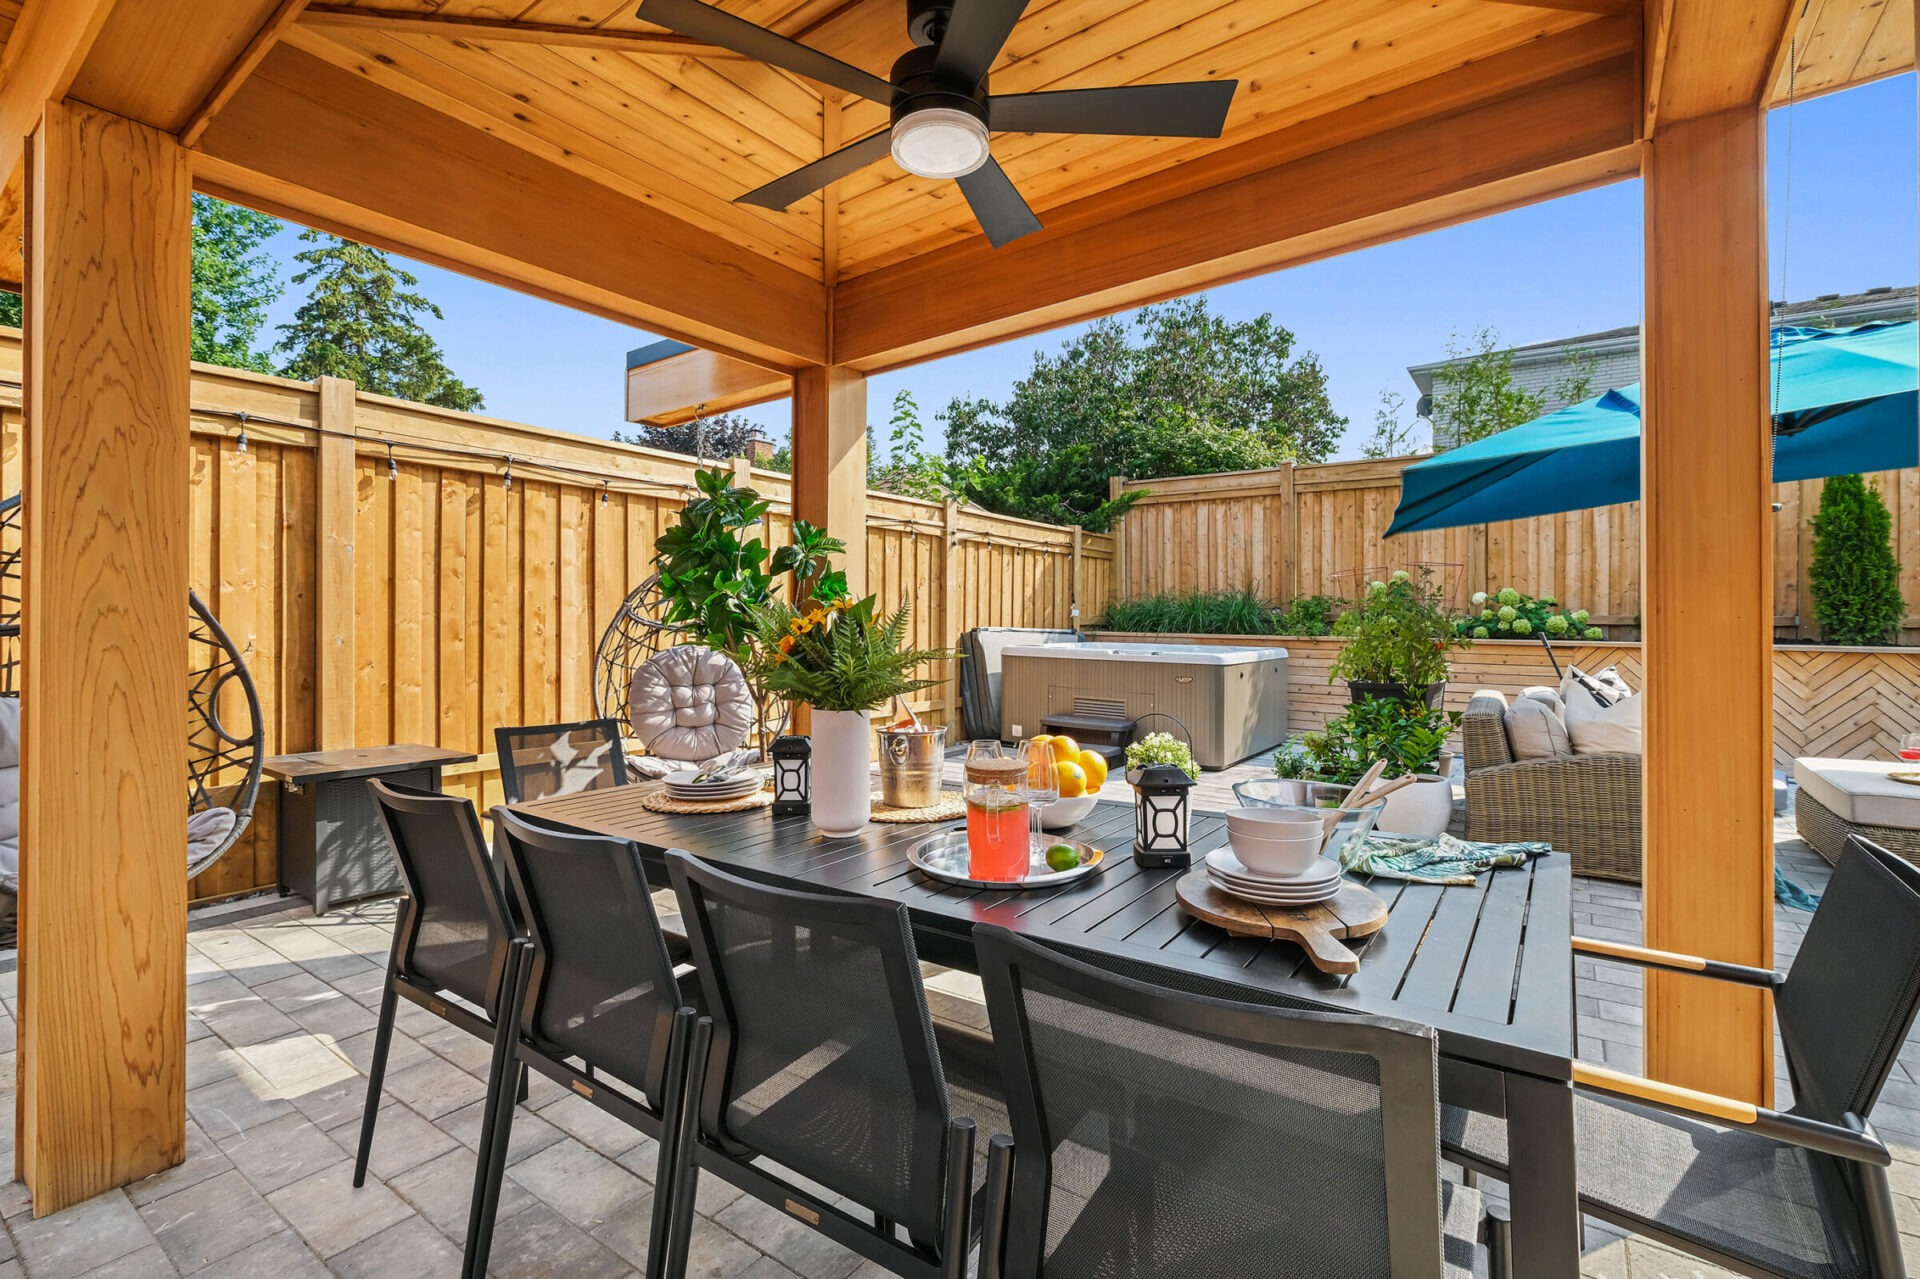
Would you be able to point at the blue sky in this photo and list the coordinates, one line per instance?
(1551, 270)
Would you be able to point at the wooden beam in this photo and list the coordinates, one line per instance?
(830, 461)
(310, 141)
(1579, 6)
(334, 515)
(1557, 116)
(1707, 556)
(474, 27)
(37, 66)
(102, 1055)
(1706, 56)
(676, 389)
(237, 72)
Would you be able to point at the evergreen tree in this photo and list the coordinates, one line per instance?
(362, 321)
(1854, 577)
(233, 283)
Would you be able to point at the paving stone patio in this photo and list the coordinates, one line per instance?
(280, 1023)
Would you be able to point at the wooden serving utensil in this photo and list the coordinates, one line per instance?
(1381, 791)
(1360, 788)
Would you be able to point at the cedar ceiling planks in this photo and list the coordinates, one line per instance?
(1847, 42)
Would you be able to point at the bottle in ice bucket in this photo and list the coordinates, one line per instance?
(999, 846)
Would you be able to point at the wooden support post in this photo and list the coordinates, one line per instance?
(334, 607)
(103, 778)
(1288, 535)
(830, 460)
(950, 608)
(1116, 485)
(1074, 592)
(1477, 559)
(1708, 575)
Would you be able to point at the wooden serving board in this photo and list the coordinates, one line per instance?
(1352, 912)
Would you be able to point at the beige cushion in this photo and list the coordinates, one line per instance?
(690, 703)
(1551, 696)
(1604, 730)
(1577, 686)
(1535, 731)
(1859, 791)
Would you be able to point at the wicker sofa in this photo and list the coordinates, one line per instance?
(1587, 806)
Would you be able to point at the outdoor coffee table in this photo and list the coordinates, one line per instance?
(1842, 797)
(1490, 967)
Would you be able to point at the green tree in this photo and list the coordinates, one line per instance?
(1393, 435)
(362, 320)
(1854, 576)
(907, 468)
(723, 435)
(1474, 393)
(1577, 371)
(1178, 390)
(233, 284)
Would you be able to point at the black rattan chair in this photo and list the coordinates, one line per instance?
(818, 1054)
(598, 1009)
(543, 760)
(452, 938)
(1796, 1195)
(1163, 1134)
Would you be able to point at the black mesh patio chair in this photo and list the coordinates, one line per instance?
(1800, 1194)
(452, 940)
(598, 1009)
(1158, 1133)
(817, 1053)
(543, 760)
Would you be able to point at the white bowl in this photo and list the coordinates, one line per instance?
(1277, 856)
(1062, 813)
(1273, 823)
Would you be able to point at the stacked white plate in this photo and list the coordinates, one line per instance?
(715, 789)
(1319, 882)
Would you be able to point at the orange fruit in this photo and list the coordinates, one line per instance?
(1072, 779)
(1094, 764)
(1065, 747)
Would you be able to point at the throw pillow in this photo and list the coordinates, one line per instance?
(1542, 693)
(1535, 730)
(1604, 730)
(1603, 689)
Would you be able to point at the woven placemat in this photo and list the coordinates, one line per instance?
(951, 805)
(661, 802)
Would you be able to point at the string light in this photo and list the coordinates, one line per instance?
(606, 491)
(393, 467)
(241, 443)
(507, 483)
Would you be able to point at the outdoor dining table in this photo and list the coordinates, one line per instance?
(1490, 966)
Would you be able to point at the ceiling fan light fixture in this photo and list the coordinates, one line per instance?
(940, 142)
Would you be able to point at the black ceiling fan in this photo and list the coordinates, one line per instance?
(942, 112)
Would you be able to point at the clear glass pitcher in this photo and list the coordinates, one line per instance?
(999, 843)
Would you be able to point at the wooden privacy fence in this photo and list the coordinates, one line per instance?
(1313, 530)
(390, 577)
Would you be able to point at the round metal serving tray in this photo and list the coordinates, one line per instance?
(944, 857)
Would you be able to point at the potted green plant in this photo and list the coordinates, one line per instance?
(1410, 737)
(844, 662)
(1162, 748)
(1397, 638)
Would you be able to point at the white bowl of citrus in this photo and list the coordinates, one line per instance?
(1078, 774)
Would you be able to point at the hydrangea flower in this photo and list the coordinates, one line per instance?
(1508, 612)
(1580, 616)
(1479, 598)
(1508, 596)
(1523, 627)
(1486, 614)
(1401, 575)
(1557, 625)
(1479, 632)
(1376, 588)
(1593, 632)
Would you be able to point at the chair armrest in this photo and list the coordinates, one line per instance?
(1841, 1141)
(1672, 961)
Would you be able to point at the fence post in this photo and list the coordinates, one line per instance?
(1289, 536)
(334, 606)
(1116, 485)
(1477, 559)
(1073, 585)
(743, 472)
(950, 601)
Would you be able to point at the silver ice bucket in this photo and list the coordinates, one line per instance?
(911, 763)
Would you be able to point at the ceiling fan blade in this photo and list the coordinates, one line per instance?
(975, 34)
(997, 203)
(706, 23)
(1194, 109)
(807, 179)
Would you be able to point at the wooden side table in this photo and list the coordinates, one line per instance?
(331, 846)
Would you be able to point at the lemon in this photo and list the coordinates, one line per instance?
(1094, 764)
(1063, 857)
(1071, 778)
(1064, 747)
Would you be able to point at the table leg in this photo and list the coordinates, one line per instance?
(1544, 1181)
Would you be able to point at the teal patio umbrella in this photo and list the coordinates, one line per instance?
(1845, 401)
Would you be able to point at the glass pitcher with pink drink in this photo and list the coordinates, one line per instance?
(999, 845)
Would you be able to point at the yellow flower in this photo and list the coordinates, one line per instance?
(842, 605)
(779, 659)
(818, 616)
(801, 625)
(786, 645)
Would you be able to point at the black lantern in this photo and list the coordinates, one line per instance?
(792, 776)
(1160, 816)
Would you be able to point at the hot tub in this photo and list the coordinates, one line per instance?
(1233, 700)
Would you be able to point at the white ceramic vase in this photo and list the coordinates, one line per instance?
(1424, 808)
(842, 771)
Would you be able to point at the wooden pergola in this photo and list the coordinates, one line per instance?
(564, 148)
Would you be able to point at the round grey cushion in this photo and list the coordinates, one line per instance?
(690, 703)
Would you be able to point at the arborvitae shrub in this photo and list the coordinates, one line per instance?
(1855, 578)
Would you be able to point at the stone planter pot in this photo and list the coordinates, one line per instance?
(1359, 690)
(1424, 808)
(842, 771)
